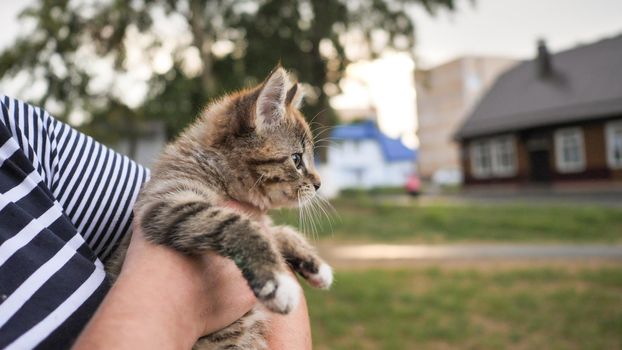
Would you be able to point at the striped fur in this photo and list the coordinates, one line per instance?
(253, 148)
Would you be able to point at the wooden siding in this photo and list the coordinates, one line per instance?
(595, 148)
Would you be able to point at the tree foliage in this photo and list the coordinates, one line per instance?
(219, 45)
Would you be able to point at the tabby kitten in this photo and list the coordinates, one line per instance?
(255, 148)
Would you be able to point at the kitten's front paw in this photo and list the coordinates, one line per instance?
(323, 278)
(280, 295)
(318, 273)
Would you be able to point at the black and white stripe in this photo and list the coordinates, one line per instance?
(65, 201)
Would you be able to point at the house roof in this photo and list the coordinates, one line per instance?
(392, 149)
(586, 83)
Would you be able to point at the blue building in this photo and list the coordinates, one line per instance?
(361, 156)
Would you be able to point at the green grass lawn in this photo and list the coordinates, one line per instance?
(534, 308)
(364, 219)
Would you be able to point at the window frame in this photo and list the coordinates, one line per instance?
(477, 150)
(491, 147)
(610, 129)
(499, 169)
(561, 164)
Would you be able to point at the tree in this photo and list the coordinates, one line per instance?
(69, 37)
(312, 37)
(232, 44)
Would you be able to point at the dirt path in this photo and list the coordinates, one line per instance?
(388, 255)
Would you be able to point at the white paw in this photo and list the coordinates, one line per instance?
(323, 278)
(286, 296)
(267, 289)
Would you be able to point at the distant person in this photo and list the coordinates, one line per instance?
(413, 185)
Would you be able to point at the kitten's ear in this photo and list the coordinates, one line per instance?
(270, 108)
(295, 96)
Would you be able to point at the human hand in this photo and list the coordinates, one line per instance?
(163, 299)
(211, 288)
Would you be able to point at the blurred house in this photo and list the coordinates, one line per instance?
(361, 156)
(445, 94)
(556, 119)
(354, 114)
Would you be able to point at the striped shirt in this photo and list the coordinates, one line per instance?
(65, 202)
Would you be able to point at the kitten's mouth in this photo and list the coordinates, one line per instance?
(285, 199)
(305, 196)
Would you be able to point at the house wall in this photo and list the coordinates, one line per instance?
(396, 173)
(522, 155)
(595, 155)
(361, 164)
(595, 148)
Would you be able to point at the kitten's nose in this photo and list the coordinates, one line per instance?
(317, 185)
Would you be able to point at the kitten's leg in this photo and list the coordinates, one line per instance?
(302, 257)
(187, 222)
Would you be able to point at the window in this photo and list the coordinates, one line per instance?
(481, 160)
(493, 157)
(569, 152)
(614, 144)
(503, 156)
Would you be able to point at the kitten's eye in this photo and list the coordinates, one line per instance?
(297, 158)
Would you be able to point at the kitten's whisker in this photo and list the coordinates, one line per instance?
(313, 229)
(326, 212)
(256, 182)
(300, 222)
(326, 144)
(314, 208)
(317, 136)
(320, 205)
(303, 219)
(330, 206)
(326, 147)
(308, 226)
(328, 139)
(318, 113)
(315, 216)
(321, 127)
(320, 132)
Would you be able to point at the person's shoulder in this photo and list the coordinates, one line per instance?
(8, 102)
(14, 109)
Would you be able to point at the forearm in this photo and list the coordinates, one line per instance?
(291, 331)
(140, 313)
(165, 300)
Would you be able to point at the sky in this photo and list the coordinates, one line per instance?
(505, 28)
(511, 27)
(8, 17)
